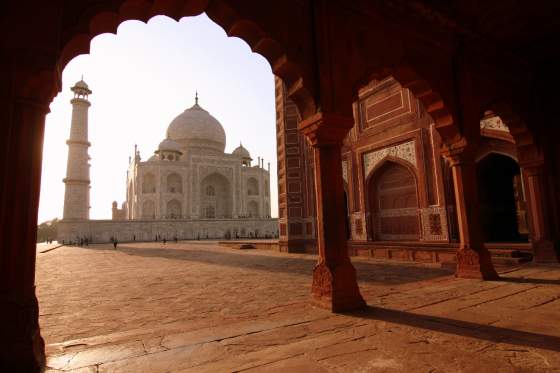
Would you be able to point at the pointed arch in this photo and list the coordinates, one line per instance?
(393, 201)
(173, 209)
(106, 19)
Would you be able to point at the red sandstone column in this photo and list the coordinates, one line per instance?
(334, 277)
(473, 259)
(543, 247)
(21, 143)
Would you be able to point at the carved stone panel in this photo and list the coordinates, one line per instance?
(434, 224)
(405, 151)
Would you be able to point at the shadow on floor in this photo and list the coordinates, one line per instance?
(536, 281)
(462, 328)
(392, 273)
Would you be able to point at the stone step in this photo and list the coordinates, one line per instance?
(510, 261)
(505, 253)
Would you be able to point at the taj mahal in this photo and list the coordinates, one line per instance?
(188, 189)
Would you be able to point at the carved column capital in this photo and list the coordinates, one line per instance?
(457, 152)
(326, 129)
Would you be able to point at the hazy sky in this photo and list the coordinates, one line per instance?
(141, 79)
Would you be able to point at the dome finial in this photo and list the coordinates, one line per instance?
(196, 97)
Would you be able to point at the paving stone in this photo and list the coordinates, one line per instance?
(200, 307)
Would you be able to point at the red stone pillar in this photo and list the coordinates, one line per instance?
(334, 277)
(21, 143)
(473, 259)
(540, 232)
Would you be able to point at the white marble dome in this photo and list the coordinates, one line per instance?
(169, 146)
(241, 152)
(195, 127)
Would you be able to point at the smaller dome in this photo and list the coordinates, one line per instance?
(81, 87)
(169, 146)
(241, 152)
(81, 84)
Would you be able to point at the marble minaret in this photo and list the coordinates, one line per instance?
(77, 183)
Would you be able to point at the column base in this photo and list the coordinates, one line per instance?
(475, 264)
(544, 252)
(22, 349)
(335, 288)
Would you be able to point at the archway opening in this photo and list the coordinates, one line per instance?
(500, 193)
(216, 197)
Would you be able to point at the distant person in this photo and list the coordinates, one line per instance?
(115, 242)
(175, 239)
(134, 238)
(164, 241)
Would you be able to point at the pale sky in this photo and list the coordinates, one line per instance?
(141, 79)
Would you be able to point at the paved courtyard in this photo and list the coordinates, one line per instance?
(198, 307)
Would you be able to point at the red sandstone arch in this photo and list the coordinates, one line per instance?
(488, 146)
(107, 17)
(434, 104)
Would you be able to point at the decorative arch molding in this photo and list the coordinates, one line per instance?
(528, 152)
(490, 146)
(107, 17)
(401, 153)
(395, 160)
(174, 182)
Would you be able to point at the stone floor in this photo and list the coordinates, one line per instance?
(198, 307)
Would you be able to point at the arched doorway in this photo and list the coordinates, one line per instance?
(500, 194)
(393, 203)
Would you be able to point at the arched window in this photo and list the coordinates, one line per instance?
(266, 188)
(252, 187)
(174, 183)
(173, 209)
(149, 183)
(148, 209)
(210, 212)
(210, 191)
